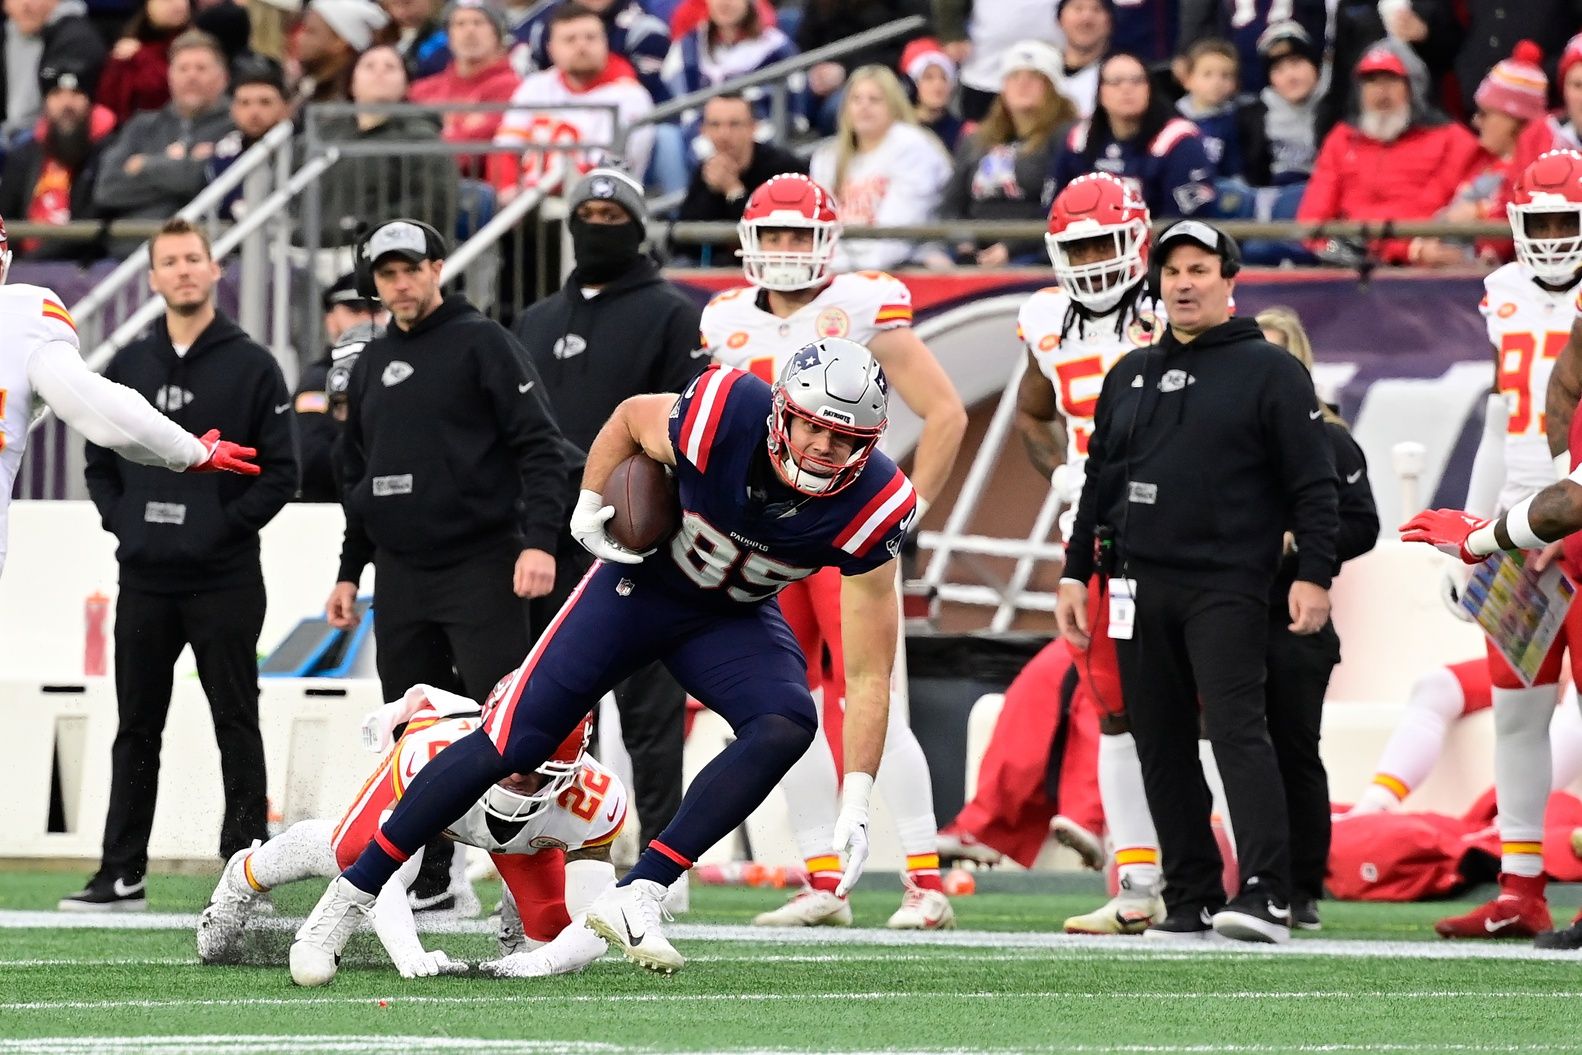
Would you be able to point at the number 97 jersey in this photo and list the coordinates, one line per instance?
(1528, 326)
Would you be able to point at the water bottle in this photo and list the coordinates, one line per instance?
(93, 652)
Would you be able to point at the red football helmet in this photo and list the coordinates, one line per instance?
(788, 200)
(558, 771)
(1095, 206)
(1551, 188)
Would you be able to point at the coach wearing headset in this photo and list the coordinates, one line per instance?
(455, 486)
(1206, 448)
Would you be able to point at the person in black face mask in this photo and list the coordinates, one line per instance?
(591, 356)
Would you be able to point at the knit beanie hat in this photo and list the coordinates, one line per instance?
(1517, 85)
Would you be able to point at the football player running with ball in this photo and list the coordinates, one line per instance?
(789, 232)
(1074, 333)
(775, 483)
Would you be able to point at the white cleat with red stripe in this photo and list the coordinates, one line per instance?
(923, 910)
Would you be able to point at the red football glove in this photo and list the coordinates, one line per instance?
(1446, 530)
(225, 456)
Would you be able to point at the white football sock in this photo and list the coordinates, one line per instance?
(585, 881)
(302, 851)
(1435, 702)
(1522, 772)
(812, 793)
(1565, 740)
(906, 785)
(1133, 840)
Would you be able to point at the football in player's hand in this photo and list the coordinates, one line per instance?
(647, 510)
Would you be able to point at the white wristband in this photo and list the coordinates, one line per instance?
(1518, 528)
(922, 509)
(1482, 541)
(855, 791)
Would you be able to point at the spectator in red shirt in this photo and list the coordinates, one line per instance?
(49, 178)
(137, 75)
(1394, 160)
(480, 72)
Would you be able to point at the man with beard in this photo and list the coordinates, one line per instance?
(1395, 159)
(49, 178)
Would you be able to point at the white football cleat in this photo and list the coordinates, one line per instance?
(964, 846)
(223, 921)
(808, 908)
(1125, 913)
(678, 895)
(628, 918)
(1088, 846)
(923, 910)
(316, 952)
(572, 950)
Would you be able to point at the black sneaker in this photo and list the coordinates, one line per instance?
(1568, 940)
(101, 895)
(1187, 922)
(1304, 914)
(1254, 917)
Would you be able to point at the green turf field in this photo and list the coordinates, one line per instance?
(1374, 981)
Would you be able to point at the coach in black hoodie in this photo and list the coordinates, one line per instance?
(188, 550)
(617, 329)
(1206, 448)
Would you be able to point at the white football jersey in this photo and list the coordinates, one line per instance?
(1077, 361)
(548, 112)
(1528, 326)
(857, 306)
(588, 813)
(30, 317)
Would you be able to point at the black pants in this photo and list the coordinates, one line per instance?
(652, 706)
(222, 626)
(460, 628)
(1195, 647)
(1299, 669)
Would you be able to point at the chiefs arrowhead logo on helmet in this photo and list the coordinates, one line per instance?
(788, 232)
(1546, 217)
(1098, 239)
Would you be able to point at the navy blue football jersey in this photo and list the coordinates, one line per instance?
(744, 534)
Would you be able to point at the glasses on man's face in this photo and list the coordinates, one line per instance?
(1125, 80)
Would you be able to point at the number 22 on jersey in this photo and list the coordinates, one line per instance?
(1519, 355)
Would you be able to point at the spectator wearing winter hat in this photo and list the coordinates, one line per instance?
(1088, 26)
(49, 178)
(1487, 31)
(1244, 26)
(35, 36)
(333, 33)
(1211, 72)
(1002, 167)
(1562, 129)
(479, 72)
(137, 75)
(977, 34)
(1511, 97)
(1277, 129)
(932, 75)
(1395, 160)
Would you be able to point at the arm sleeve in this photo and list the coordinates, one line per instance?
(1359, 517)
(1306, 467)
(357, 549)
(1488, 464)
(268, 492)
(529, 427)
(1079, 547)
(109, 415)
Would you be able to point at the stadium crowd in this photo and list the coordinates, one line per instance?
(1387, 111)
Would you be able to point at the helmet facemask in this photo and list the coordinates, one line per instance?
(558, 772)
(1555, 260)
(782, 269)
(806, 472)
(1098, 285)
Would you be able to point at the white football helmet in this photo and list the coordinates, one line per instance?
(559, 770)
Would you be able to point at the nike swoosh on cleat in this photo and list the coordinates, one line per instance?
(1494, 926)
(632, 939)
(122, 890)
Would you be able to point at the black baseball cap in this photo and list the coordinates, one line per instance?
(344, 292)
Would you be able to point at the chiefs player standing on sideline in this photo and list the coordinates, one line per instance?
(1529, 307)
(789, 230)
(42, 359)
(1098, 243)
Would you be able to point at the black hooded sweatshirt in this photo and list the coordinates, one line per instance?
(1203, 454)
(638, 334)
(183, 532)
(450, 448)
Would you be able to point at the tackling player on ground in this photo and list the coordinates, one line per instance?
(775, 483)
(42, 359)
(1074, 333)
(789, 232)
(548, 833)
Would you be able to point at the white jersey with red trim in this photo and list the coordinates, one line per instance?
(858, 306)
(33, 317)
(1528, 326)
(546, 111)
(1077, 360)
(588, 813)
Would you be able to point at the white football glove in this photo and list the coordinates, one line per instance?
(851, 829)
(1453, 586)
(571, 950)
(430, 964)
(587, 527)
